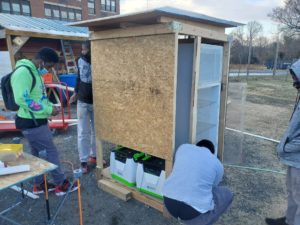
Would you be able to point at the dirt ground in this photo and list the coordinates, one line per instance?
(260, 106)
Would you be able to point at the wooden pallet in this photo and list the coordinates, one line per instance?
(106, 183)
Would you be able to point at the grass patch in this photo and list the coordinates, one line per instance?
(279, 87)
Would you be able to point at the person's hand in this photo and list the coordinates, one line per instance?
(73, 98)
(55, 110)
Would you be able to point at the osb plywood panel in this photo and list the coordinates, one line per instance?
(133, 85)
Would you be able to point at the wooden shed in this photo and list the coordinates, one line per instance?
(159, 80)
(23, 36)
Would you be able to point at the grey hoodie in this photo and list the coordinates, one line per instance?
(289, 147)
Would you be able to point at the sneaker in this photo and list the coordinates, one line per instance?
(40, 188)
(92, 161)
(84, 167)
(61, 190)
(279, 221)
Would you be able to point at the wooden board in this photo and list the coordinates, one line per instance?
(37, 167)
(166, 19)
(223, 100)
(133, 31)
(133, 86)
(45, 35)
(151, 201)
(115, 189)
(203, 33)
(193, 110)
(10, 50)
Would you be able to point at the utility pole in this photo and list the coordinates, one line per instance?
(276, 57)
(249, 55)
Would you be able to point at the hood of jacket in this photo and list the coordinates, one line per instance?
(28, 63)
(296, 69)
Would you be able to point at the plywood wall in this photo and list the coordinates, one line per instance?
(133, 85)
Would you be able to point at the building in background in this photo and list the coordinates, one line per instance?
(67, 10)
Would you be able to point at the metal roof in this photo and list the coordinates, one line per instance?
(189, 15)
(40, 25)
(150, 15)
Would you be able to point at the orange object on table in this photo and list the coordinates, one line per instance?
(48, 78)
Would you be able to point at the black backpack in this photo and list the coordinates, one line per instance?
(7, 91)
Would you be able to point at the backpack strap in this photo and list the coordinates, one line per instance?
(32, 86)
(32, 75)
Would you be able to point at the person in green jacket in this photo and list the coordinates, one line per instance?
(32, 116)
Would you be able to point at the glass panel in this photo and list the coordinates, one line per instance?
(236, 109)
(78, 16)
(208, 108)
(5, 6)
(71, 15)
(91, 7)
(91, 11)
(103, 3)
(210, 64)
(107, 7)
(209, 90)
(48, 12)
(64, 14)
(56, 13)
(16, 8)
(113, 6)
(25, 8)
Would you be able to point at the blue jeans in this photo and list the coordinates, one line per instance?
(40, 139)
(293, 189)
(86, 131)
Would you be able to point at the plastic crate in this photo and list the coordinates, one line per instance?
(69, 79)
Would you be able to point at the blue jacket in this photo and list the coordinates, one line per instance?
(289, 147)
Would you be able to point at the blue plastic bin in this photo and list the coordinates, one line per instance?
(69, 79)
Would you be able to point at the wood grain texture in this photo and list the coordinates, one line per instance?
(223, 100)
(37, 167)
(115, 189)
(133, 86)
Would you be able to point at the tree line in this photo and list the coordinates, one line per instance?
(250, 46)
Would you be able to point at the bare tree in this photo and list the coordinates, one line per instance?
(237, 47)
(254, 28)
(261, 44)
(288, 16)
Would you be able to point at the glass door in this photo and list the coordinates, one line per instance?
(209, 93)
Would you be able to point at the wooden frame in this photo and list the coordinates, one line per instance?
(125, 193)
(223, 101)
(44, 35)
(18, 42)
(134, 31)
(136, 27)
(168, 27)
(11, 51)
(24, 37)
(208, 27)
(196, 66)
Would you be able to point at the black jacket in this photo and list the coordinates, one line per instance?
(83, 86)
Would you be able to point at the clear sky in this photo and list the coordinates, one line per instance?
(241, 11)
